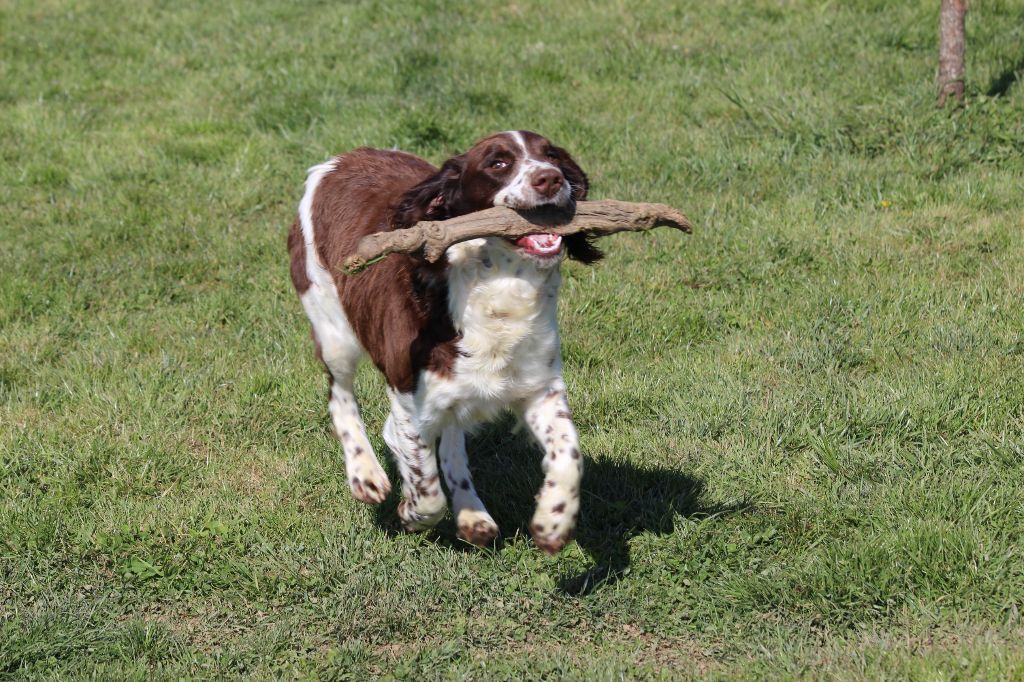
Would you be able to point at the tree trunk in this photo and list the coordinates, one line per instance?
(951, 51)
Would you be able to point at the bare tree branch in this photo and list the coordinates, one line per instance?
(431, 238)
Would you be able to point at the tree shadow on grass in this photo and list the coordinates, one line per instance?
(1005, 80)
(619, 501)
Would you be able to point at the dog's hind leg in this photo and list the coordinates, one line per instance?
(366, 477)
(340, 352)
(423, 504)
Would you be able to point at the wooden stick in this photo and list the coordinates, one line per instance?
(431, 238)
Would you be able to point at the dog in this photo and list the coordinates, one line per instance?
(459, 341)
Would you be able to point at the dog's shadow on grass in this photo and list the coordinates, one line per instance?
(1006, 79)
(619, 501)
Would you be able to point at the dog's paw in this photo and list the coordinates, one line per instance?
(415, 520)
(369, 484)
(554, 523)
(476, 527)
(550, 542)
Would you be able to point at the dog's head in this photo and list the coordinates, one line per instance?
(518, 169)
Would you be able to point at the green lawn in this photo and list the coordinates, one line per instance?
(804, 424)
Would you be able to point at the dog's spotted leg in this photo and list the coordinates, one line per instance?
(366, 478)
(337, 348)
(474, 524)
(423, 503)
(558, 501)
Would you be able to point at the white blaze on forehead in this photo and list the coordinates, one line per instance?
(517, 137)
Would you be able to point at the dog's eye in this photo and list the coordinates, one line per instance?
(552, 154)
(498, 164)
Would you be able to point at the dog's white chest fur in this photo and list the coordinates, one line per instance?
(505, 308)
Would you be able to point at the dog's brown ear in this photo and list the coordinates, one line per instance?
(581, 248)
(573, 173)
(432, 199)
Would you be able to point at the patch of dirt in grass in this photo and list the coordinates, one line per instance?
(251, 478)
(670, 653)
(204, 628)
(629, 644)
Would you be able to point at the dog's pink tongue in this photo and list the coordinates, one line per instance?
(540, 244)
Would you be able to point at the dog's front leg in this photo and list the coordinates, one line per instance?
(474, 523)
(550, 421)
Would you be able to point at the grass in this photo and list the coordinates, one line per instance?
(804, 424)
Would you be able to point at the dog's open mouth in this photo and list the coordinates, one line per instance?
(540, 245)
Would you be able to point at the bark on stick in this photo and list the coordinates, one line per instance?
(431, 238)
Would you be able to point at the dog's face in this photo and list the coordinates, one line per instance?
(518, 169)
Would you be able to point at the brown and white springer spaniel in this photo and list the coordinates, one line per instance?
(459, 341)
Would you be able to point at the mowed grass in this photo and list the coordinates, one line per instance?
(803, 424)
